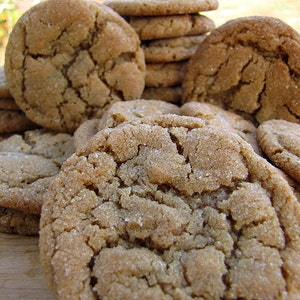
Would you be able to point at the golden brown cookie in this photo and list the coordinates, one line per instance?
(28, 163)
(12, 121)
(170, 208)
(165, 74)
(249, 65)
(280, 140)
(172, 49)
(170, 94)
(15, 221)
(161, 27)
(160, 7)
(121, 112)
(67, 60)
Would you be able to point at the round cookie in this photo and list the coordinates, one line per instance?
(170, 94)
(67, 60)
(280, 140)
(249, 65)
(12, 121)
(172, 49)
(15, 221)
(165, 74)
(161, 27)
(160, 7)
(180, 210)
(28, 164)
(121, 112)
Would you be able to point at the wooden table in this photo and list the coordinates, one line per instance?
(21, 275)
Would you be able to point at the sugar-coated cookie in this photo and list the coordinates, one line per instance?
(250, 65)
(160, 27)
(170, 208)
(171, 49)
(280, 140)
(28, 163)
(66, 60)
(160, 7)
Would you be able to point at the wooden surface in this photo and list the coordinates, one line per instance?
(21, 275)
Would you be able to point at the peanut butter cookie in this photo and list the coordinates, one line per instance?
(161, 27)
(280, 140)
(160, 7)
(67, 60)
(170, 208)
(28, 163)
(121, 112)
(249, 65)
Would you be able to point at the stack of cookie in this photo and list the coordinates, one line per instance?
(12, 118)
(170, 32)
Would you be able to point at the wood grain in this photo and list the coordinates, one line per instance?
(21, 275)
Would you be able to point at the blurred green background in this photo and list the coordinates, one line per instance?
(287, 10)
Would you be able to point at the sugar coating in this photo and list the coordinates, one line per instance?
(28, 163)
(249, 65)
(67, 60)
(170, 208)
(280, 140)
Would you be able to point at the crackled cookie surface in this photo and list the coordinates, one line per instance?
(28, 163)
(160, 7)
(121, 112)
(67, 60)
(170, 208)
(249, 65)
(280, 140)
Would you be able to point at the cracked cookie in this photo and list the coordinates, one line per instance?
(170, 208)
(28, 163)
(121, 112)
(280, 141)
(165, 7)
(249, 65)
(67, 60)
(162, 27)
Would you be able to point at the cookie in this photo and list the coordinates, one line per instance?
(215, 115)
(171, 50)
(4, 89)
(161, 27)
(239, 70)
(165, 74)
(28, 163)
(280, 141)
(121, 112)
(165, 7)
(12, 121)
(67, 60)
(170, 94)
(170, 208)
(15, 221)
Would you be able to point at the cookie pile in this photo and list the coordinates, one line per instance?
(170, 32)
(147, 199)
